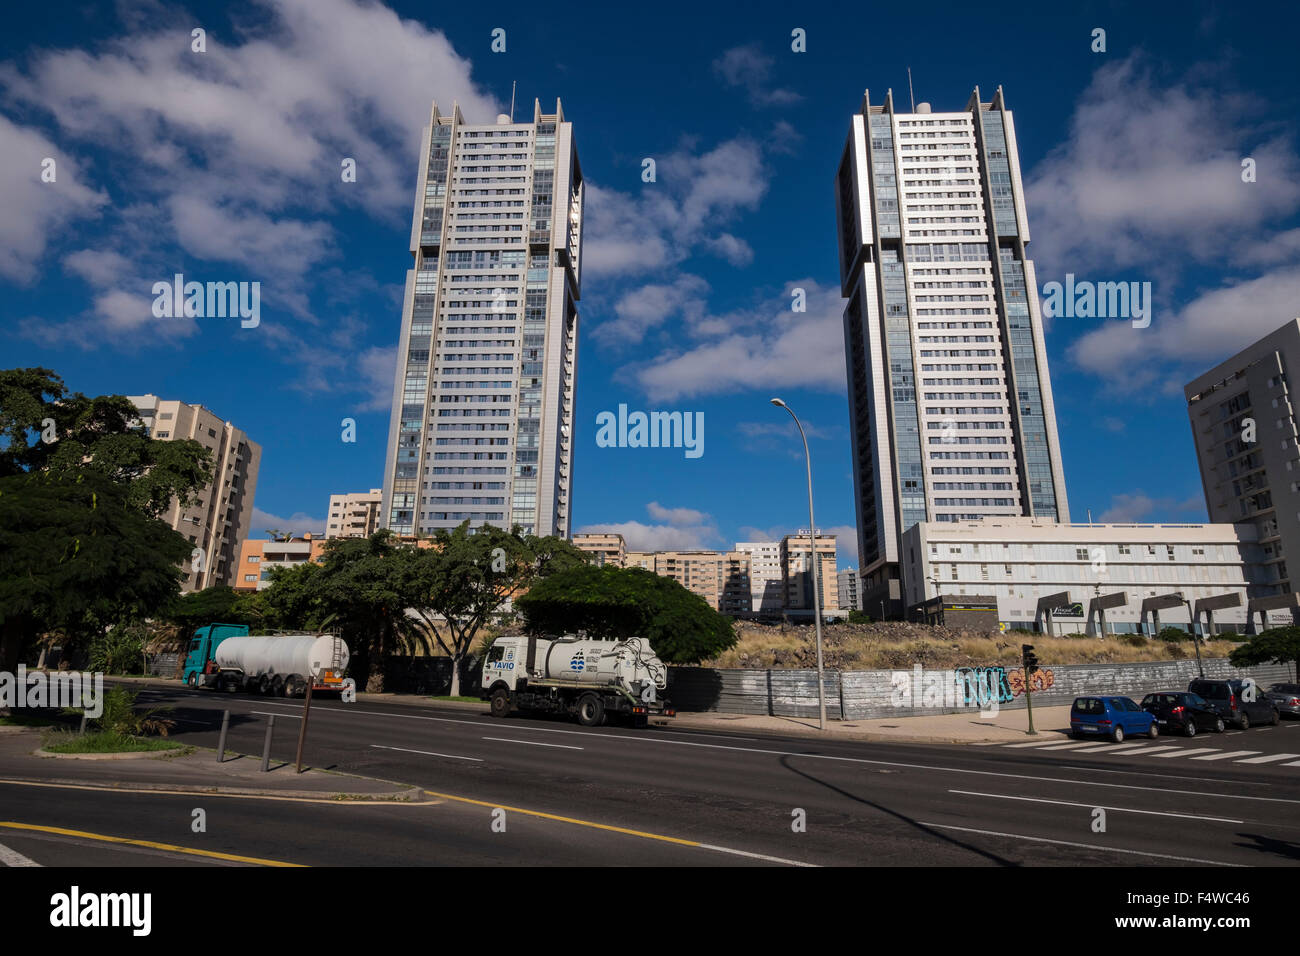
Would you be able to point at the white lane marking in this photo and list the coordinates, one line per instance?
(10, 857)
(1127, 748)
(264, 713)
(1066, 803)
(1269, 759)
(428, 753)
(1293, 763)
(864, 760)
(1155, 750)
(1187, 753)
(1225, 756)
(1032, 743)
(754, 856)
(1069, 746)
(1094, 747)
(1085, 846)
(532, 743)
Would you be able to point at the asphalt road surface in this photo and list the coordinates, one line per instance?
(533, 790)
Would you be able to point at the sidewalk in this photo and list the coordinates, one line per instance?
(1007, 726)
(196, 772)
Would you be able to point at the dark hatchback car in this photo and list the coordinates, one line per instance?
(1286, 698)
(1228, 699)
(1178, 711)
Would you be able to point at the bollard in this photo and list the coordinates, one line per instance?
(266, 745)
(221, 744)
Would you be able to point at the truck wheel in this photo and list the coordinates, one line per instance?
(193, 680)
(277, 687)
(501, 702)
(290, 688)
(591, 710)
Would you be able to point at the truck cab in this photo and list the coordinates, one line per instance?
(201, 657)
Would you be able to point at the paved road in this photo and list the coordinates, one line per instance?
(1226, 799)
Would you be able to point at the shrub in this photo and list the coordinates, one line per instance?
(120, 651)
(119, 716)
(1173, 635)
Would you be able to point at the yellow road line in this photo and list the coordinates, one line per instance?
(581, 823)
(168, 847)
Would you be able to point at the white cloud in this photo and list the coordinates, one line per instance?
(676, 516)
(1148, 168)
(662, 537)
(34, 210)
(749, 68)
(770, 347)
(650, 306)
(1139, 506)
(297, 523)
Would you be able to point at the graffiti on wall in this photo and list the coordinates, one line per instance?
(984, 685)
(1040, 680)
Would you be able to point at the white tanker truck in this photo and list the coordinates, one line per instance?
(585, 678)
(280, 665)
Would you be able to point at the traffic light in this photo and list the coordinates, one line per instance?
(1028, 658)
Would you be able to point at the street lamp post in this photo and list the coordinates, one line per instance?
(812, 551)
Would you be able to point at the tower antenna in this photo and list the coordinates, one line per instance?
(910, 95)
(513, 83)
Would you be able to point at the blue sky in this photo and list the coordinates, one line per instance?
(225, 165)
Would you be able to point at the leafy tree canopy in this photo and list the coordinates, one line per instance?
(624, 602)
(1278, 645)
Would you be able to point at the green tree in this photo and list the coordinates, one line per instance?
(1277, 645)
(218, 604)
(611, 602)
(460, 583)
(76, 555)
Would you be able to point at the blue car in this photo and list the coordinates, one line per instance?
(1113, 717)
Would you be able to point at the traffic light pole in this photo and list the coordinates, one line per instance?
(1029, 664)
(1029, 703)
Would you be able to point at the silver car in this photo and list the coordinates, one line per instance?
(1286, 698)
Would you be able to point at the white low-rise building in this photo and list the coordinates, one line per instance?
(1020, 560)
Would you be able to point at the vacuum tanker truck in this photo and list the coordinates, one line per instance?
(223, 656)
(582, 677)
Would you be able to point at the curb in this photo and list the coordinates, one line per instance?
(120, 755)
(405, 795)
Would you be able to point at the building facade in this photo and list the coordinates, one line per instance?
(849, 591)
(950, 403)
(483, 404)
(766, 579)
(223, 514)
(797, 573)
(605, 548)
(1245, 431)
(354, 515)
(1019, 560)
(258, 556)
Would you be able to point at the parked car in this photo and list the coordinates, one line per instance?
(1286, 698)
(1181, 711)
(1113, 717)
(1228, 698)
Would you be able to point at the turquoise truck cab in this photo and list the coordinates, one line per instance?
(203, 650)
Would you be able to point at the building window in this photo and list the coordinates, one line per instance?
(1124, 549)
(1081, 554)
(250, 577)
(254, 558)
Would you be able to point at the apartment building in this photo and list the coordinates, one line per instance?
(766, 577)
(1245, 432)
(354, 515)
(797, 571)
(223, 514)
(483, 404)
(951, 411)
(605, 548)
(258, 556)
(850, 594)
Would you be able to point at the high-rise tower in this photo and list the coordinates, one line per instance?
(482, 426)
(950, 403)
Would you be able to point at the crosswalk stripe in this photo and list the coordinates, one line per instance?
(1269, 759)
(1148, 751)
(1293, 763)
(1034, 743)
(1094, 747)
(1188, 753)
(1086, 743)
(1127, 748)
(1230, 753)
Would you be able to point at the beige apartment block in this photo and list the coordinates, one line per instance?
(354, 515)
(605, 548)
(797, 571)
(766, 579)
(223, 514)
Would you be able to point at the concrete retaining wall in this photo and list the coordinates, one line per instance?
(855, 695)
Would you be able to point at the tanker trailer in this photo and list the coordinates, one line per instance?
(579, 676)
(282, 664)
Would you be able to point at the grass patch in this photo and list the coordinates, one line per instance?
(462, 698)
(107, 742)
